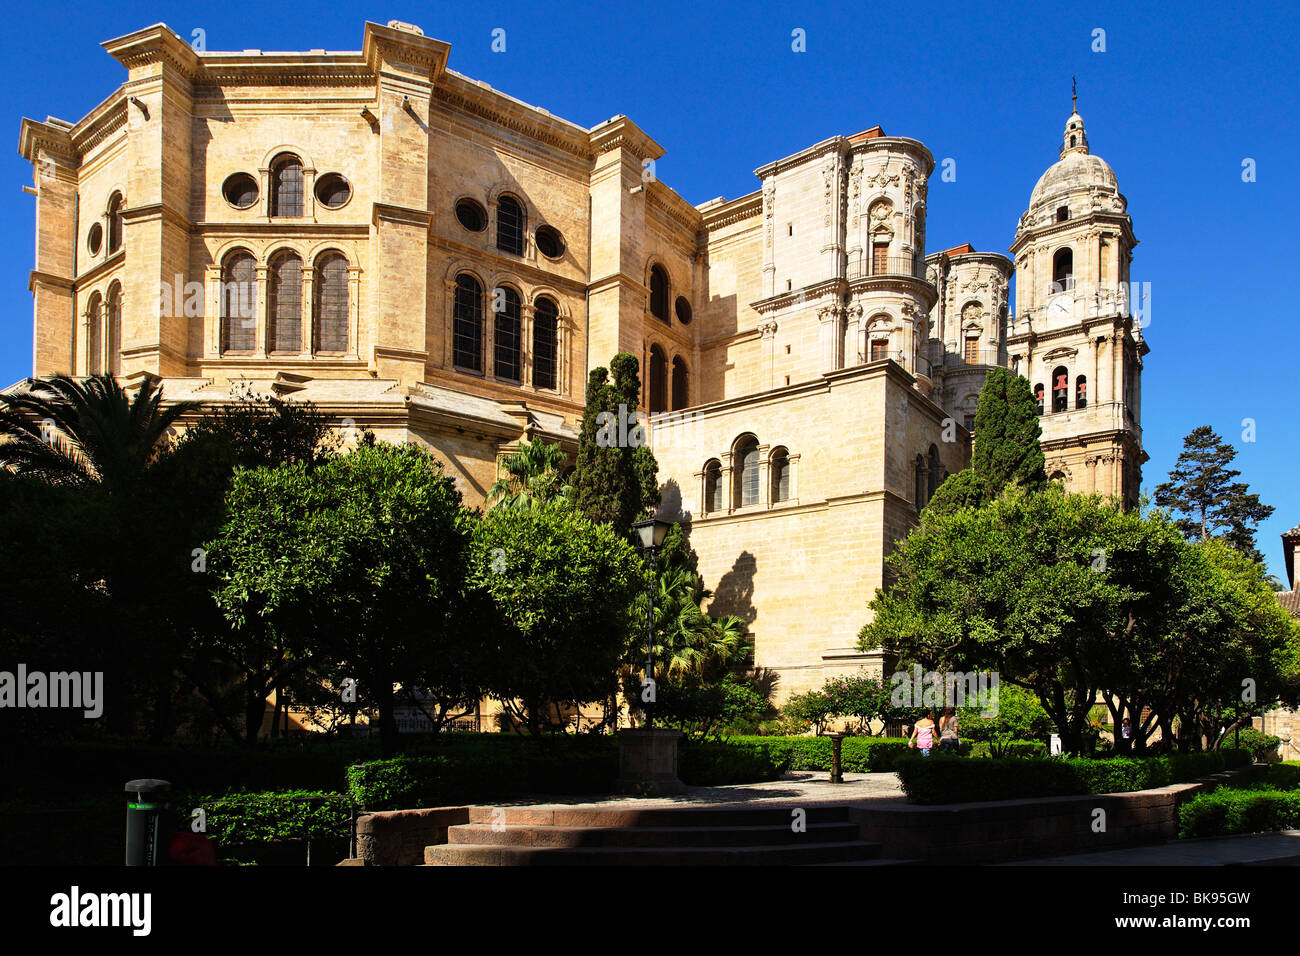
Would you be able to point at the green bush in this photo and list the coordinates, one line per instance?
(857, 754)
(1262, 746)
(714, 764)
(1228, 810)
(241, 819)
(1009, 748)
(942, 779)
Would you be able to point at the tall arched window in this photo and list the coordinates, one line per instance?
(713, 486)
(1063, 270)
(284, 304)
(507, 349)
(658, 396)
(745, 459)
(921, 477)
(114, 223)
(546, 325)
(681, 384)
(780, 475)
(94, 336)
(330, 309)
(935, 474)
(1081, 392)
(238, 302)
(113, 321)
(1038, 397)
(467, 324)
(659, 292)
(510, 225)
(286, 186)
(1060, 389)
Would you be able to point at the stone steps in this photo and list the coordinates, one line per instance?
(653, 836)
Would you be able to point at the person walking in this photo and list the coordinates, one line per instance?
(948, 740)
(923, 735)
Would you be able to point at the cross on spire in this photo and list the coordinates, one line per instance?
(1074, 94)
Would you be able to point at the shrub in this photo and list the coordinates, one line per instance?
(717, 764)
(1262, 746)
(941, 779)
(1228, 810)
(242, 819)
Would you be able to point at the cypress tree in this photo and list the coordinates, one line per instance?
(1006, 435)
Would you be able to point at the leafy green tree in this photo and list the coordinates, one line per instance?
(562, 588)
(532, 477)
(1020, 716)
(1211, 504)
(615, 478)
(1006, 448)
(359, 564)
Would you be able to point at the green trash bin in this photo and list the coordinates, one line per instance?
(146, 822)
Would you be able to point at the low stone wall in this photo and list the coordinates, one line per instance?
(1004, 830)
(398, 837)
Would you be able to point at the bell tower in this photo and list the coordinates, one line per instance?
(1076, 333)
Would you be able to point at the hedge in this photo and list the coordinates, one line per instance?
(857, 754)
(941, 779)
(240, 819)
(733, 761)
(1228, 810)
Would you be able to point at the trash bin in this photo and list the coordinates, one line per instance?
(146, 822)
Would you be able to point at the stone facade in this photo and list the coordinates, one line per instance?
(427, 257)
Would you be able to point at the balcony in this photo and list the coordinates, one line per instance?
(911, 266)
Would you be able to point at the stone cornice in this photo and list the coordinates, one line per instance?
(835, 144)
(386, 212)
(155, 44)
(35, 136)
(812, 293)
(895, 144)
(895, 283)
(404, 49)
(665, 200)
(734, 211)
(459, 94)
(621, 133)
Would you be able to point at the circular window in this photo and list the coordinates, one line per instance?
(683, 310)
(471, 215)
(333, 191)
(240, 190)
(95, 239)
(549, 242)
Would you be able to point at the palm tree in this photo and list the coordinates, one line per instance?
(690, 642)
(85, 432)
(532, 477)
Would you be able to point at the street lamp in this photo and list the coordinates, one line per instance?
(650, 535)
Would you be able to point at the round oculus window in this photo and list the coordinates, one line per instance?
(240, 190)
(95, 239)
(471, 215)
(333, 191)
(549, 242)
(683, 310)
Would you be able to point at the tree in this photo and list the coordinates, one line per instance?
(533, 477)
(562, 589)
(1201, 489)
(615, 478)
(357, 565)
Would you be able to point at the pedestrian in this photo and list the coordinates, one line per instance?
(1126, 737)
(948, 740)
(923, 735)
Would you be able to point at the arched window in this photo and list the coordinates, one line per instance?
(713, 486)
(284, 304)
(510, 225)
(286, 186)
(467, 324)
(1038, 397)
(507, 335)
(546, 324)
(114, 329)
(1063, 270)
(330, 310)
(1060, 389)
(1081, 392)
(935, 475)
(239, 303)
(94, 336)
(745, 459)
(114, 223)
(1056, 476)
(659, 292)
(681, 384)
(1062, 213)
(921, 479)
(780, 475)
(658, 384)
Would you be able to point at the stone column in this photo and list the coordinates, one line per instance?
(212, 298)
(261, 334)
(526, 344)
(306, 326)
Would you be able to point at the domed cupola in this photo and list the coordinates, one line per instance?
(1075, 139)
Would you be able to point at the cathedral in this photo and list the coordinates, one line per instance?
(426, 257)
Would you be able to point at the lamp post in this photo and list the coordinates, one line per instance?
(647, 758)
(650, 535)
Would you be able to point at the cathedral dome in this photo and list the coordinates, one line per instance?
(1075, 170)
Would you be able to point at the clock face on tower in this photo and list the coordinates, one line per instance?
(1058, 308)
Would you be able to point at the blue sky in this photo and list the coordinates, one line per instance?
(1178, 99)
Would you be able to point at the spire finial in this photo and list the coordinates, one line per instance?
(1074, 94)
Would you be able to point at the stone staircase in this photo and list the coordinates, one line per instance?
(658, 836)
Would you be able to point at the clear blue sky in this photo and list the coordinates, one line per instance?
(1181, 95)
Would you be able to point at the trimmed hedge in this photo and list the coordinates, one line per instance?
(938, 779)
(733, 761)
(1228, 810)
(857, 754)
(241, 819)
